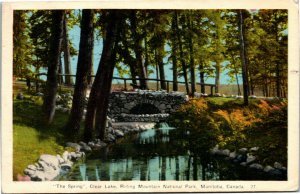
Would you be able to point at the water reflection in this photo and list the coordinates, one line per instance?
(155, 154)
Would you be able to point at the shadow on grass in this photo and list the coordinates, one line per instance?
(29, 113)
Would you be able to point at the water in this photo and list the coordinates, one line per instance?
(156, 154)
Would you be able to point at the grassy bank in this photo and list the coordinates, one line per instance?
(31, 137)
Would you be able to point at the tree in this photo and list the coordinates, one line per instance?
(243, 56)
(21, 45)
(66, 50)
(84, 66)
(137, 41)
(54, 60)
(98, 100)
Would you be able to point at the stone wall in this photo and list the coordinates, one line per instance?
(122, 103)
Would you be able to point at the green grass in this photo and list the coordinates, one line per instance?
(31, 137)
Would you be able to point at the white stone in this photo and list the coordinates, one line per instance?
(268, 168)
(254, 149)
(277, 165)
(256, 166)
(250, 159)
(232, 155)
(50, 160)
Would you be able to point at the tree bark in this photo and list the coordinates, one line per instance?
(160, 63)
(243, 57)
(217, 80)
(174, 54)
(67, 57)
(98, 100)
(192, 61)
(84, 66)
(184, 69)
(54, 58)
(138, 50)
(201, 69)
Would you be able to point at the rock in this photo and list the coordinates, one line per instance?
(73, 145)
(277, 165)
(250, 159)
(254, 149)
(86, 148)
(218, 95)
(268, 168)
(73, 156)
(20, 96)
(32, 167)
(119, 133)
(256, 166)
(65, 156)
(214, 150)
(60, 159)
(91, 144)
(29, 172)
(110, 138)
(226, 152)
(232, 155)
(38, 176)
(81, 143)
(275, 172)
(65, 168)
(241, 158)
(39, 94)
(252, 97)
(243, 150)
(243, 164)
(49, 160)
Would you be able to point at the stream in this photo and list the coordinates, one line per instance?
(156, 154)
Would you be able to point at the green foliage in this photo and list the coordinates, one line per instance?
(227, 123)
(195, 118)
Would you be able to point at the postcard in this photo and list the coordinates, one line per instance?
(150, 96)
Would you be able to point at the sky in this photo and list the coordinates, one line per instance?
(74, 35)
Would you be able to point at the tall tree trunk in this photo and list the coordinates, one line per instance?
(174, 54)
(160, 63)
(60, 72)
(138, 51)
(54, 57)
(98, 100)
(201, 70)
(192, 61)
(217, 79)
(67, 57)
(183, 64)
(236, 75)
(146, 55)
(243, 57)
(84, 66)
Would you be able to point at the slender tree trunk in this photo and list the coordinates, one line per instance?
(201, 70)
(175, 72)
(98, 100)
(192, 61)
(217, 80)
(243, 57)
(83, 70)
(138, 51)
(60, 72)
(54, 57)
(236, 75)
(160, 63)
(183, 64)
(67, 57)
(174, 54)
